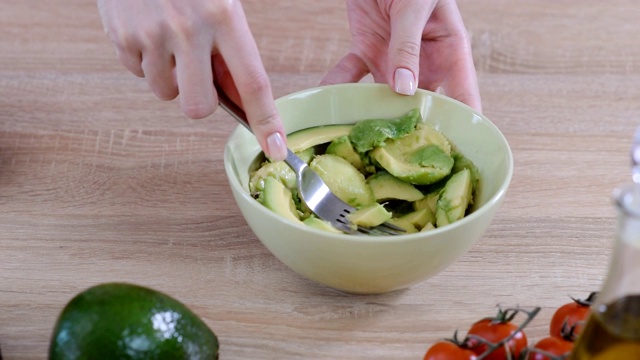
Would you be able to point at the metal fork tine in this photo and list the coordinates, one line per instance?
(392, 227)
(382, 229)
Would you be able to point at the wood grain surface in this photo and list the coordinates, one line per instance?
(101, 181)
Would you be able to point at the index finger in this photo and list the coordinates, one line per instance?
(238, 48)
(407, 20)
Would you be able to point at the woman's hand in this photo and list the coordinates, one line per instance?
(182, 46)
(409, 44)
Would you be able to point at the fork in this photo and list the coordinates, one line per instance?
(312, 189)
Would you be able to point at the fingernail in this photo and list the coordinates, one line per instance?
(276, 146)
(440, 90)
(405, 82)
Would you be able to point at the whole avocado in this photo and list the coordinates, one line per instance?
(126, 321)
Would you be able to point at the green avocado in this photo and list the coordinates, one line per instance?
(342, 147)
(404, 224)
(423, 157)
(462, 162)
(370, 215)
(368, 134)
(277, 198)
(386, 187)
(306, 138)
(126, 321)
(455, 198)
(320, 224)
(419, 218)
(344, 180)
(279, 170)
(429, 202)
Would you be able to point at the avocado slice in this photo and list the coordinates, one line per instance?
(277, 198)
(427, 227)
(344, 180)
(423, 157)
(463, 162)
(429, 201)
(342, 147)
(368, 134)
(370, 215)
(310, 137)
(386, 187)
(320, 224)
(404, 224)
(419, 218)
(279, 170)
(127, 321)
(455, 198)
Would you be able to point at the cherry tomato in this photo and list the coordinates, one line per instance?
(447, 350)
(572, 315)
(554, 346)
(495, 330)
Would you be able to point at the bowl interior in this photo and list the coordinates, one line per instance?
(473, 134)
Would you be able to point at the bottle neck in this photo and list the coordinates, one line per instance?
(623, 276)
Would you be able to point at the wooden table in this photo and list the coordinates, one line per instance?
(100, 181)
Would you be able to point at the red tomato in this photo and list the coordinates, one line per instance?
(494, 331)
(447, 350)
(550, 346)
(573, 314)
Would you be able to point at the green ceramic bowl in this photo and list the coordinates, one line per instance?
(365, 264)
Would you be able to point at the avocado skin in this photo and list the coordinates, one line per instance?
(126, 321)
(367, 134)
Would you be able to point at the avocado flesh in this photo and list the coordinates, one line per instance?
(306, 138)
(126, 321)
(429, 201)
(342, 147)
(386, 187)
(345, 181)
(421, 158)
(320, 224)
(279, 199)
(455, 198)
(370, 215)
(462, 162)
(404, 224)
(419, 218)
(368, 134)
(278, 170)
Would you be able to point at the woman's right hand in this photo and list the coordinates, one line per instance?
(181, 46)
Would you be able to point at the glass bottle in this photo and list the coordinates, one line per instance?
(613, 328)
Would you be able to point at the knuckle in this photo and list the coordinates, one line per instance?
(408, 50)
(254, 83)
(197, 110)
(217, 12)
(265, 121)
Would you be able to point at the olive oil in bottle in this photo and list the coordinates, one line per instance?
(612, 332)
(613, 328)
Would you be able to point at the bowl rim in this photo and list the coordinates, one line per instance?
(492, 201)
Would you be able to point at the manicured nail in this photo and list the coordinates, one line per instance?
(405, 82)
(276, 146)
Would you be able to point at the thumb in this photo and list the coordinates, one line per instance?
(404, 45)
